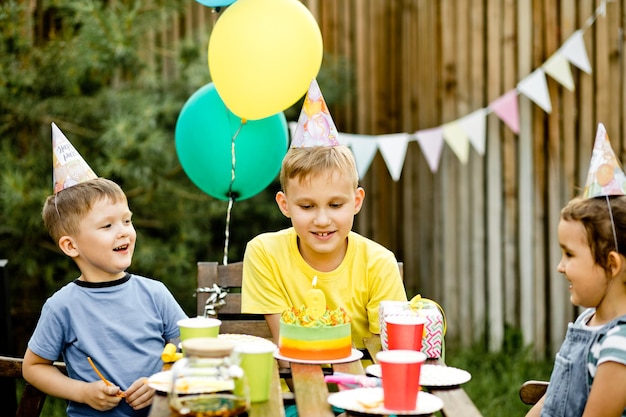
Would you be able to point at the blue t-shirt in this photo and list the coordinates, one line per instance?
(122, 325)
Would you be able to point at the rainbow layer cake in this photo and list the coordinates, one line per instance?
(328, 337)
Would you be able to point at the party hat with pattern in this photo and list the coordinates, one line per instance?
(606, 176)
(68, 167)
(315, 125)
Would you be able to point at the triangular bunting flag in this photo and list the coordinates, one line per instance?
(456, 139)
(558, 68)
(363, 148)
(431, 143)
(393, 149)
(574, 51)
(474, 126)
(507, 109)
(535, 88)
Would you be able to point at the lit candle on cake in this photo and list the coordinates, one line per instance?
(315, 301)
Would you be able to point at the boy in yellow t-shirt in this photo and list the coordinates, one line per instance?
(321, 196)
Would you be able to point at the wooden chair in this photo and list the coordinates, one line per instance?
(32, 400)
(228, 277)
(531, 391)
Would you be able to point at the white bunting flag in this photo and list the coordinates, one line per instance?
(535, 88)
(474, 125)
(393, 149)
(575, 52)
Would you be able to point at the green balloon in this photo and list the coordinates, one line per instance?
(204, 136)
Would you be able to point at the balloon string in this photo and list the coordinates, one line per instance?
(231, 197)
(227, 233)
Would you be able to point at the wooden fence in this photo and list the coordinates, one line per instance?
(479, 237)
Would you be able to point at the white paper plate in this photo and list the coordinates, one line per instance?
(162, 382)
(355, 355)
(237, 338)
(357, 399)
(433, 375)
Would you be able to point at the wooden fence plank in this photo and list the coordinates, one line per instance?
(494, 207)
(476, 101)
(526, 178)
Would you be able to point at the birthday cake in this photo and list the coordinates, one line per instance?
(327, 337)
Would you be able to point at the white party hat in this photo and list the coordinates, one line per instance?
(68, 167)
(315, 125)
(606, 176)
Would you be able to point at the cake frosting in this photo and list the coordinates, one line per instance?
(327, 337)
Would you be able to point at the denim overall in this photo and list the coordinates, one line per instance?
(569, 383)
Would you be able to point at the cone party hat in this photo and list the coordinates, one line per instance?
(68, 167)
(606, 176)
(315, 125)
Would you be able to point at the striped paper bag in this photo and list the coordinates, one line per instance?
(435, 327)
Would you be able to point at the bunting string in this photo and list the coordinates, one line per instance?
(470, 130)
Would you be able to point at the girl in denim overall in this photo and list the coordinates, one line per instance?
(589, 375)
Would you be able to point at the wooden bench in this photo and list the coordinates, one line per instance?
(32, 400)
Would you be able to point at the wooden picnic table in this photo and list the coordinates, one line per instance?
(311, 392)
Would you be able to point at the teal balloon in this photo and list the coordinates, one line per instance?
(215, 3)
(204, 135)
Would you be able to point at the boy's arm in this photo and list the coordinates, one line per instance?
(42, 374)
(273, 322)
(608, 391)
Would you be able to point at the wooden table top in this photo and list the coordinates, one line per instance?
(311, 392)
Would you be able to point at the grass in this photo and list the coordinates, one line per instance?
(496, 378)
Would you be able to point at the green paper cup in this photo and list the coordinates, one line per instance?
(257, 361)
(194, 327)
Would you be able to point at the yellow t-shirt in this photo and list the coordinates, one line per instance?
(276, 277)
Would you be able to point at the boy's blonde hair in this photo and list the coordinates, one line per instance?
(63, 211)
(594, 214)
(303, 163)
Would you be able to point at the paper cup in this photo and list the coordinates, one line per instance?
(400, 377)
(405, 332)
(256, 358)
(194, 327)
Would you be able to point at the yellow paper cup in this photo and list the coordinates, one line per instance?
(194, 327)
(257, 361)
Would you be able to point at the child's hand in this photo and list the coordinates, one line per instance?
(100, 396)
(139, 394)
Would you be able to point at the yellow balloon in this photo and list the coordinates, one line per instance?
(263, 55)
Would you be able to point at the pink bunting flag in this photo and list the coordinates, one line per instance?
(507, 109)
(431, 143)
